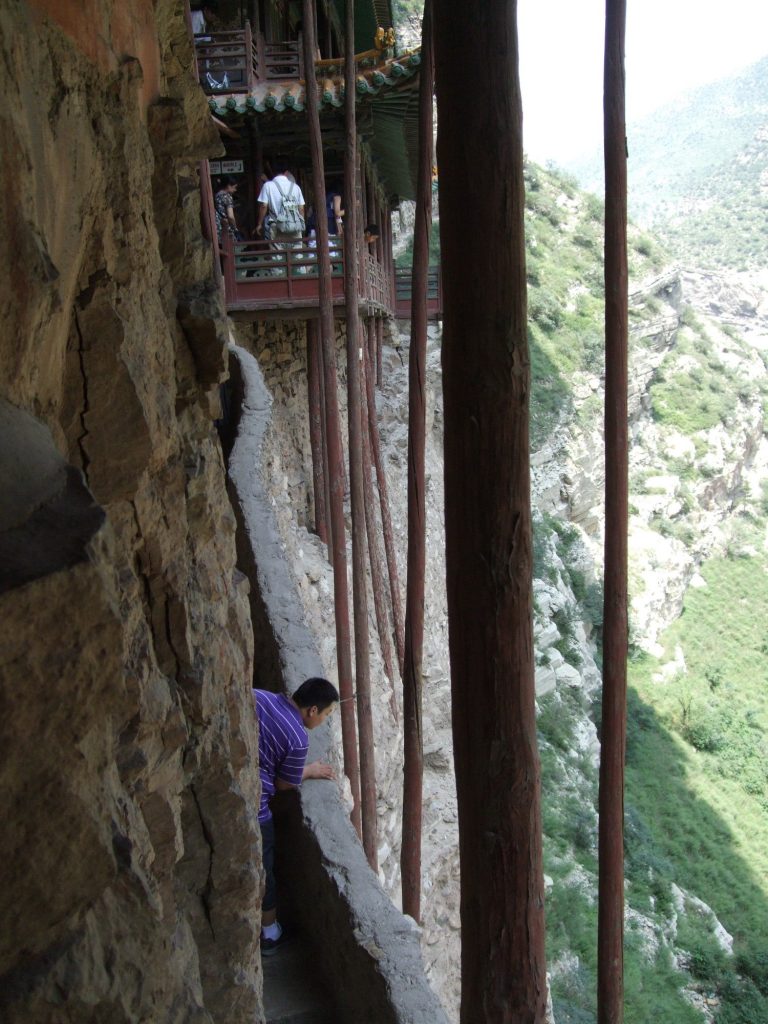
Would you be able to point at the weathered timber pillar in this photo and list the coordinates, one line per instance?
(413, 766)
(374, 554)
(486, 385)
(610, 941)
(357, 500)
(370, 328)
(333, 434)
(386, 519)
(314, 371)
(379, 350)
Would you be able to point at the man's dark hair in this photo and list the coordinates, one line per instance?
(282, 164)
(371, 229)
(316, 692)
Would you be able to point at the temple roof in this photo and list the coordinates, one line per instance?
(388, 88)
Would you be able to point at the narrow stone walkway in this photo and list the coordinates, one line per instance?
(294, 992)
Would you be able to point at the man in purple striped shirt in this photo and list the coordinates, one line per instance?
(283, 745)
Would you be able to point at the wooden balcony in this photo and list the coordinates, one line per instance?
(403, 293)
(231, 62)
(262, 283)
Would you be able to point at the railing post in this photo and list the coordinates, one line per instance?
(230, 277)
(208, 218)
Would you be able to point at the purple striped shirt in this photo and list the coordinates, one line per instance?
(283, 744)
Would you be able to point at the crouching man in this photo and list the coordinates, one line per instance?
(283, 745)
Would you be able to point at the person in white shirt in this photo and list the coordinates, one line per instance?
(271, 200)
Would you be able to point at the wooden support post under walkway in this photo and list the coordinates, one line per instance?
(316, 432)
(374, 552)
(413, 746)
(354, 360)
(333, 437)
(610, 940)
(486, 387)
(370, 325)
(379, 350)
(386, 518)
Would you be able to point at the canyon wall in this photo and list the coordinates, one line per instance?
(130, 847)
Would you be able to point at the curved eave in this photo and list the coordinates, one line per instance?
(289, 96)
(389, 90)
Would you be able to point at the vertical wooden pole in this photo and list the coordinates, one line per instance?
(386, 519)
(371, 340)
(413, 766)
(314, 369)
(610, 943)
(326, 472)
(357, 500)
(486, 388)
(379, 350)
(375, 555)
(333, 435)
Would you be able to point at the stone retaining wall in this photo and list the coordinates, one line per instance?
(368, 950)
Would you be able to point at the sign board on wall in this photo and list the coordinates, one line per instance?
(226, 166)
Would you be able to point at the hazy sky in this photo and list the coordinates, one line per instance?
(672, 45)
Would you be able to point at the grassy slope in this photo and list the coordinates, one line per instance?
(697, 770)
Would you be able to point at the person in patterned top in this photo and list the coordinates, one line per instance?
(224, 204)
(283, 746)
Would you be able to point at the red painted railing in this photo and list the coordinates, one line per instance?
(260, 277)
(403, 293)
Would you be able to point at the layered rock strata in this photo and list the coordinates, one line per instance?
(130, 847)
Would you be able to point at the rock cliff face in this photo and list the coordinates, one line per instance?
(131, 868)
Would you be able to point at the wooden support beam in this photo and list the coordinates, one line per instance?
(379, 350)
(371, 339)
(486, 387)
(315, 406)
(610, 942)
(375, 554)
(333, 439)
(357, 500)
(386, 518)
(413, 746)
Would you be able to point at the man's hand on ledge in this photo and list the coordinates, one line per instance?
(318, 770)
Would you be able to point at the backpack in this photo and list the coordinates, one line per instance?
(288, 220)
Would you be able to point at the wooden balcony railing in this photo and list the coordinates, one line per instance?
(236, 61)
(403, 293)
(283, 60)
(226, 61)
(258, 277)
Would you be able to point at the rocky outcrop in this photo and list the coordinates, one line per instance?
(130, 848)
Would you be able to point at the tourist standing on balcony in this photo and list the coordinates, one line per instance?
(224, 204)
(281, 211)
(333, 210)
(371, 234)
(201, 15)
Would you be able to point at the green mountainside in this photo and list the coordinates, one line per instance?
(698, 172)
(696, 825)
(696, 822)
(697, 764)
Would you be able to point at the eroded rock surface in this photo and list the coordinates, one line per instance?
(130, 847)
